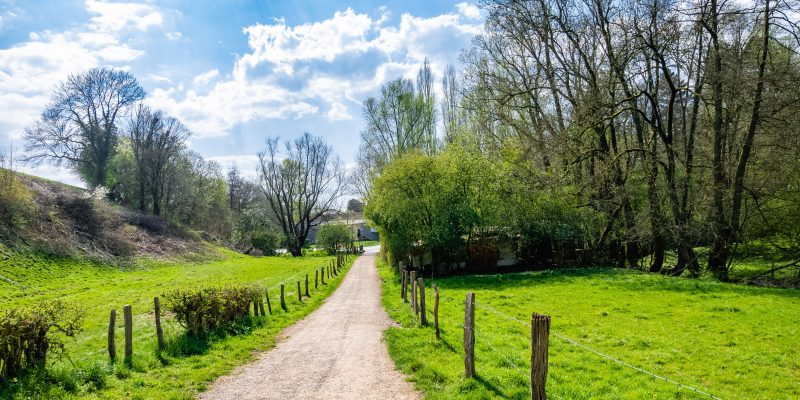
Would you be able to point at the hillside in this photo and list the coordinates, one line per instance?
(54, 218)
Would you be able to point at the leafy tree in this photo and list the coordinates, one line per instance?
(334, 236)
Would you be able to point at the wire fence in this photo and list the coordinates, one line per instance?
(485, 339)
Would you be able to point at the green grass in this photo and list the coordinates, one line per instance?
(188, 366)
(733, 341)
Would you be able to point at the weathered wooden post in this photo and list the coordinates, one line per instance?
(322, 275)
(436, 309)
(283, 300)
(112, 346)
(540, 333)
(159, 331)
(269, 306)
(299, 293)
(469, 336)
(128, 316)
(403, 285)
(414, 291)
(316, 279)
(423, 318)
(307, 295)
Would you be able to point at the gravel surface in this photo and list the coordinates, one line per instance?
(337, 352)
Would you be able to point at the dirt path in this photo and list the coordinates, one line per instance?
(337, 352)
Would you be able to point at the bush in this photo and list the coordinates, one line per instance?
(265, 241)
(204, 310)
(334, 237)
(29, 335)
(16, 202)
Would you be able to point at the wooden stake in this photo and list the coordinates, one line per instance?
(469, 336)
(159, 331)
(261, 306)
(283, 300)
(414, 291)
(403, 286)
(307, 295)
(316, 279)
(299, 293)
(128, 316)
(322, 275)
(540, 332)
(112, 346)
(436, 309)
(423, 317)
(269, 306)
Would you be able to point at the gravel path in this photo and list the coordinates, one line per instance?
(337, 352)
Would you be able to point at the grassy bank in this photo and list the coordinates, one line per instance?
(188, 366)
(728, 340)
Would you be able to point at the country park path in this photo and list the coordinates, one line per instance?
(337, 352)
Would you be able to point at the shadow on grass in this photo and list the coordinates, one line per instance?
(187, 345)
(488, 385)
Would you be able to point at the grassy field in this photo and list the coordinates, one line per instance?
(731, 341)
(187, 367)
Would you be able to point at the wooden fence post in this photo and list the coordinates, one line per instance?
(307, 295)
(414, 291)
(283, 300)
(269, 306)
(322, 274)
(436, 309)
(316, 279)
(112, 346)
(126, 311)
(261, 306)
(469, 336)
(403, 285)
(540, 332)
(299, 293)
(159, 331)
(423, 317)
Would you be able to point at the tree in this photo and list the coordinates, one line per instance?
(301, 184)
(157, 141)
(79, 126)
(355, 206)
(334, 236)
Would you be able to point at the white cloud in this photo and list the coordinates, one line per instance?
(115, 17)
(205, 77)
(338, 112)
(469, 10)
(307, 55)
(248, 164)
(173, 36)
(281, 45)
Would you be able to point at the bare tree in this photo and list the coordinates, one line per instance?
(157, 141)
(79, 126)
(301, 185)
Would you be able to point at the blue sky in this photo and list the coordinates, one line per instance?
(234, 72)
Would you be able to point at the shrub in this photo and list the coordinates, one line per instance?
(265, 241)
(29, 335)
(334, 236)
(204, 310)
(16, 202)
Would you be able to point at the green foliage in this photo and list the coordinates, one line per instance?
(333, 237)
(29, 334)
(202, 310)
(16, 206)
(265, 241)
(694, 331)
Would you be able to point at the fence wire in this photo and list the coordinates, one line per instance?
(606, 356)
